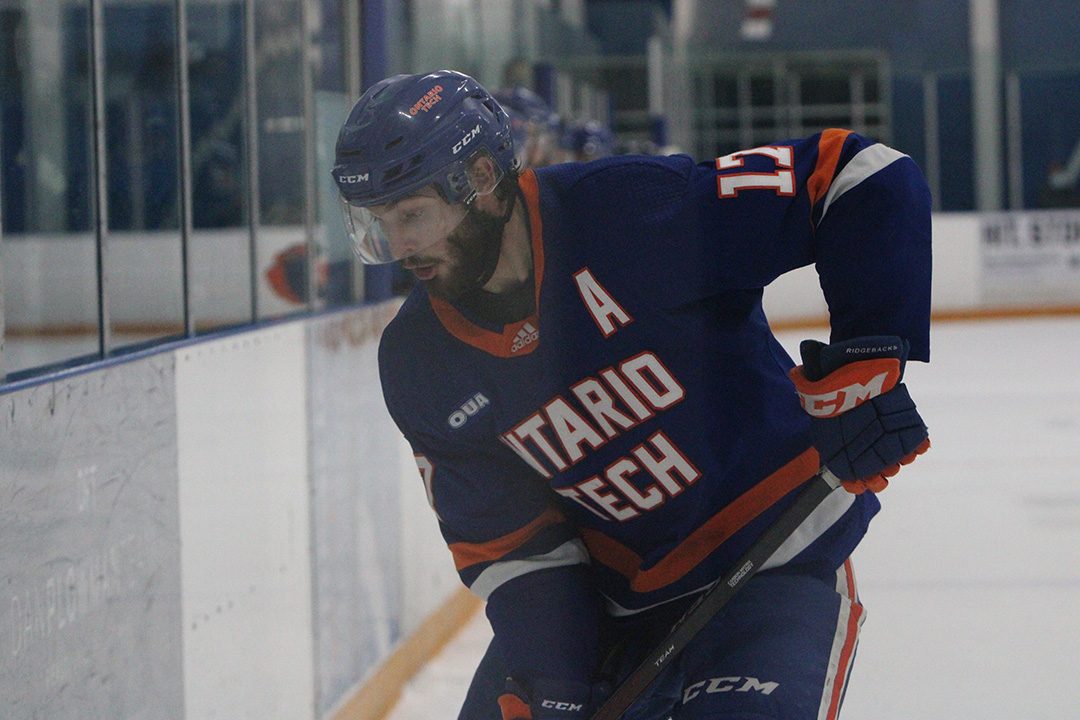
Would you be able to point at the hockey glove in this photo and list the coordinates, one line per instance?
(865, 425)
(548, 700)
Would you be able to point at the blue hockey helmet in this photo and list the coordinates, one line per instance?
(409, 132)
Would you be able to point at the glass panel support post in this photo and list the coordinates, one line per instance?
(99, 169)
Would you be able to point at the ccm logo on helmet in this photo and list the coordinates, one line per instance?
(469, 137)
(353, 179)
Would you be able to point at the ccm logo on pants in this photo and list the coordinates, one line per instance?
(556, 705)
(728, 684)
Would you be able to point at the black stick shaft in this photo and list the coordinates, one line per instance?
(815, 491)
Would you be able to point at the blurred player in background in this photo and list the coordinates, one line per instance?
(586, 140)
(600, 413)
(534, 125)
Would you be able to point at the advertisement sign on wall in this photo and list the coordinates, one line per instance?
(1030, 258)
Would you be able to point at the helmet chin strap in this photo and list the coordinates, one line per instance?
(493, 246)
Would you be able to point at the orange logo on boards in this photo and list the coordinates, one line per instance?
(431, 97)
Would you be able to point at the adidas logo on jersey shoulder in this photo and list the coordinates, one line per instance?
(525, 336)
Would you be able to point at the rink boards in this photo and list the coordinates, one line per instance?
(218, 530)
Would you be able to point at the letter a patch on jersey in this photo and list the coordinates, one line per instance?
(606, 312)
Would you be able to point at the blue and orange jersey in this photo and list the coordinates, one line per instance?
(639, 429)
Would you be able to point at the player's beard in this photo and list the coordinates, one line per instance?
(469, 260)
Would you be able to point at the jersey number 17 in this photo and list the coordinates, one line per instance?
(782, 181)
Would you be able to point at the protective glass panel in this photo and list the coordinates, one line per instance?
(341, 272)
(281, 252)
(49, 283)
(221, 240)
(143, 262)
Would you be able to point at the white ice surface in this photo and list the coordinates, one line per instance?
(971, 572)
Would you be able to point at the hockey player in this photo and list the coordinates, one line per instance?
(600, 413)
(535, 127)
(587, 140)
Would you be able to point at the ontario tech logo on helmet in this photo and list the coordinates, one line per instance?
(408, 132)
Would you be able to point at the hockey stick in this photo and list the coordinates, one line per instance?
(702, 611)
